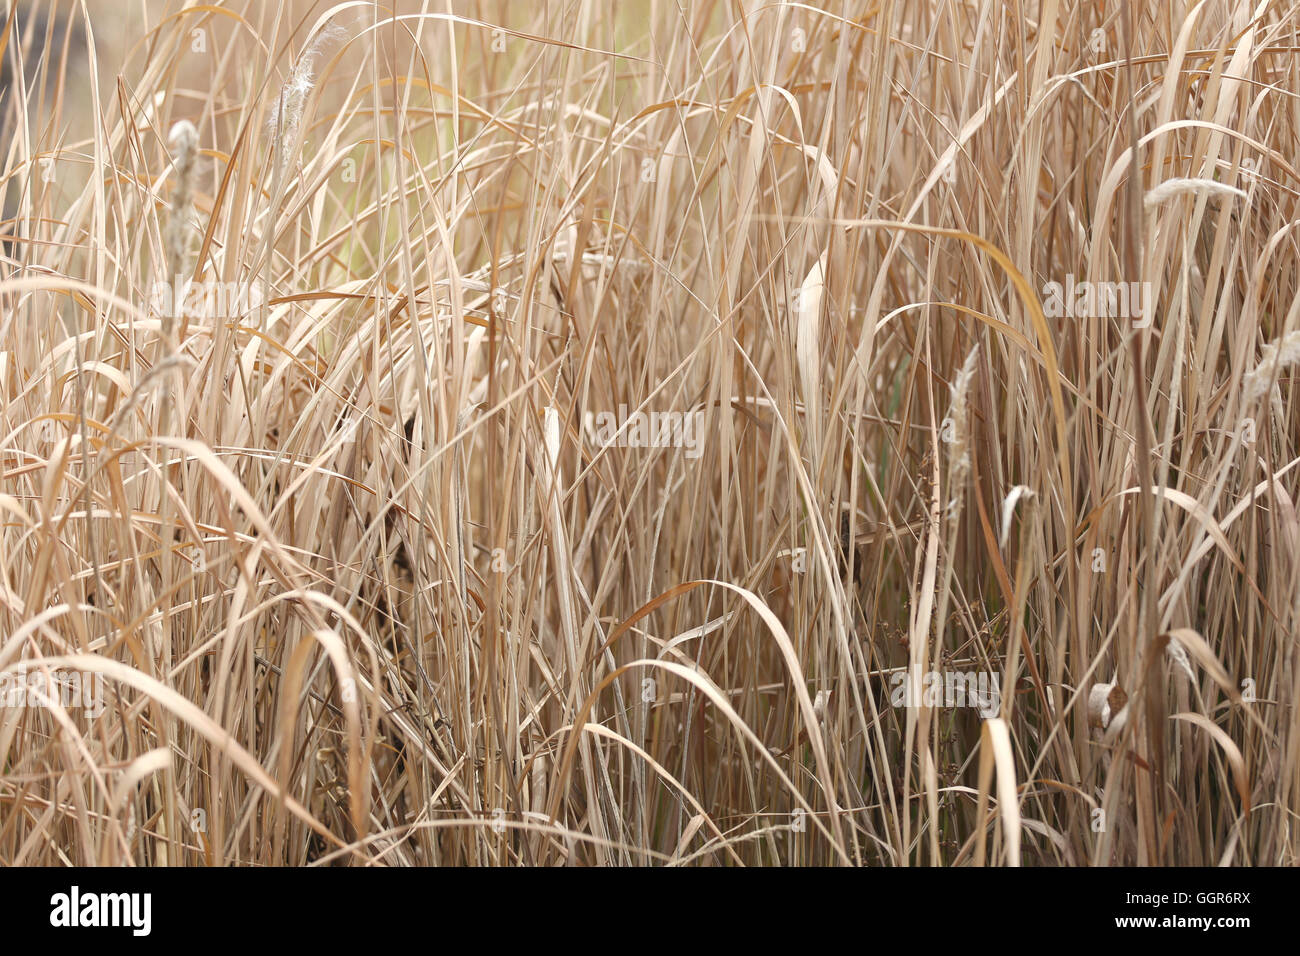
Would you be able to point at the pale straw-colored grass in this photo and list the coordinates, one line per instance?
(359, 585)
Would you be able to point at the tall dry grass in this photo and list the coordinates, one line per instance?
(360, 588)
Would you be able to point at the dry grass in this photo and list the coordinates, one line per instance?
(362, 589)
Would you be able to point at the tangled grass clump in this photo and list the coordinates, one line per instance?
(345, 575)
